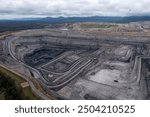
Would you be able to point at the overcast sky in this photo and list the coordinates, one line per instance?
(54, 8)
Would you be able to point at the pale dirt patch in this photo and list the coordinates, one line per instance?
(105, 76)
(25, 84)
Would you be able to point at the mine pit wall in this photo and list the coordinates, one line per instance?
(50, 91)
(143, 81)
(63, 41)
(83, 41)
(147, 75)
(140, 83)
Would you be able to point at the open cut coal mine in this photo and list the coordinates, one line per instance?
(83, 66)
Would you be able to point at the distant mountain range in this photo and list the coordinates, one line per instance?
(38, 23)
(87, 19)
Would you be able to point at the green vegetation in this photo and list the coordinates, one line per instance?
(20, 25)
(92, 25)
(10, 87)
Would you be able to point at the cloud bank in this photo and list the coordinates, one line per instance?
(69, 8)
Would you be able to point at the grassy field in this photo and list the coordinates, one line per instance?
(26, 93)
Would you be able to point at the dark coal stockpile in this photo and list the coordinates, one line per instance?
(42, 55)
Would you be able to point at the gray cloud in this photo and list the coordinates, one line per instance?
(26, 8)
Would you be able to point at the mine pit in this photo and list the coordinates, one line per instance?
(82, 66)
